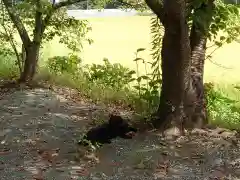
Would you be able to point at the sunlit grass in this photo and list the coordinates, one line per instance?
(117, 38)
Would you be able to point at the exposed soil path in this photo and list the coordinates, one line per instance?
(38, 134)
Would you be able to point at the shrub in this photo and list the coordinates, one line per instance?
(64, 64)
(8, 66)
(111, 75)
(222, 110)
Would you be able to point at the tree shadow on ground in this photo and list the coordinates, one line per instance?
(39, 129)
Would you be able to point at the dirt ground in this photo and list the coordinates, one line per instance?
(39, 130)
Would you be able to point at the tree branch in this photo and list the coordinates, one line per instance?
(38, 29)
(17, 22)
(157, 7)
(56, 6)
(130, 5)
(11, 39)
(66, 3)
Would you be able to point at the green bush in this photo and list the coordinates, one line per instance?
(114, 84)
(8, 66)
(111, 75)
(64, 64)
(222, 110)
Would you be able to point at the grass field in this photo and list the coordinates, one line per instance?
(117, 38)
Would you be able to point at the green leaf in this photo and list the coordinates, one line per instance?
(139, 79)
(137, 87)
(141, 49)
(222, 38)
(145, 77)
(132, 72)
(138, 59)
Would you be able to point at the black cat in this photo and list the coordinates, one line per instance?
(115, 127)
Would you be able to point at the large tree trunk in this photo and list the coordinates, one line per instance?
(176, 63)
(194, 110)
(30, 63)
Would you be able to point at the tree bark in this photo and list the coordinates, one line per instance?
(198, 46)
(198, 41)
(176, 63)
(182, 68)
(157, 7)
(30, 63)
(17, 22)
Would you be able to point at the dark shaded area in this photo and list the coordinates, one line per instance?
(39, 129)
(115, 127)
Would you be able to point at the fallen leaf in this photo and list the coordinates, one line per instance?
(38, 176)
(115, 163)
(49, 155)
(5, 151)
(82, 172)
(162, 167)
(141, 165)
(218, 173)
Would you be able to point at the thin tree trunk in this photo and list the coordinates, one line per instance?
(198, 41)
(30, 65)
(198, 46)
(32, 47)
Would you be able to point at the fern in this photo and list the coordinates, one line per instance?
(156, 32)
